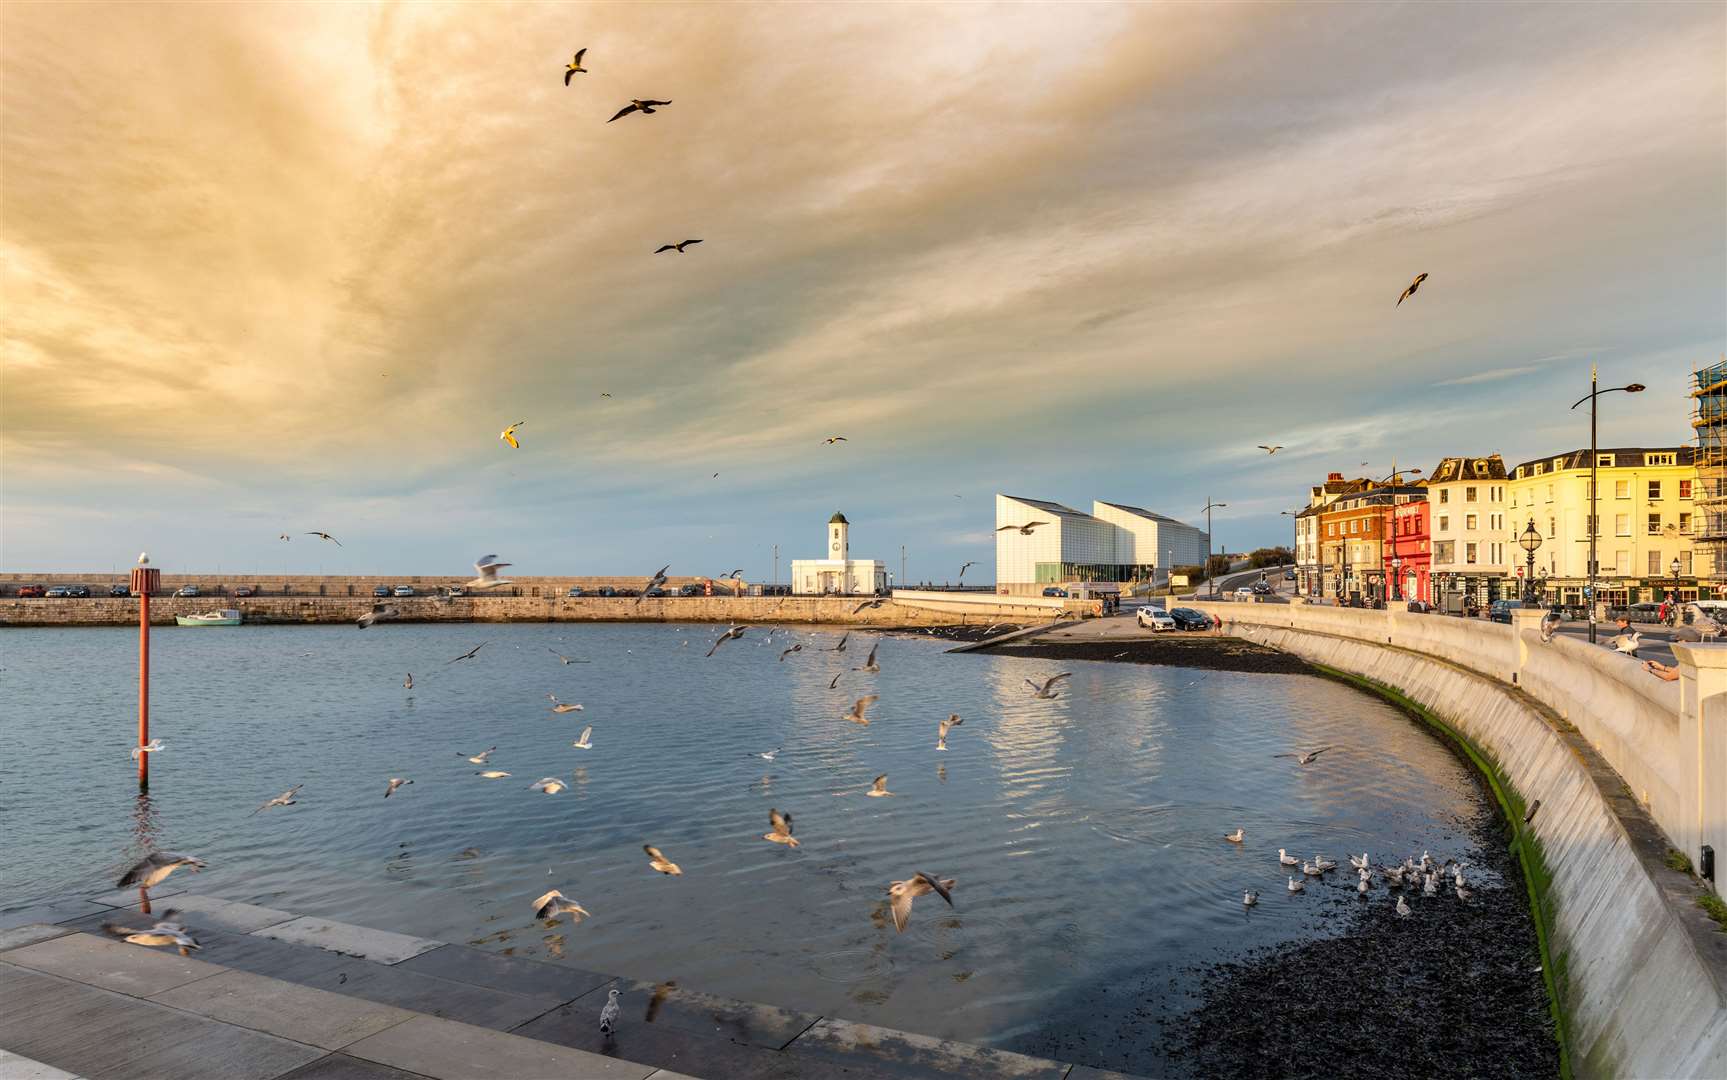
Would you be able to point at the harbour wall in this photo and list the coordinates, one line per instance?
(1623, 765)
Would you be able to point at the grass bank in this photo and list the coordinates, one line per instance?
(1537, 879)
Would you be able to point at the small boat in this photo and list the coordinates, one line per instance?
(222, 617)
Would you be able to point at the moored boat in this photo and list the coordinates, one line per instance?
(222, 617)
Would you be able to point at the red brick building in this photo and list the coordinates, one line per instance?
(1408, 551)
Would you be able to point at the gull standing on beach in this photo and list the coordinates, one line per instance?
(944, 727)
(284, 799)
(859, 708)
(487, 567)
(155, 867)
(902, 893)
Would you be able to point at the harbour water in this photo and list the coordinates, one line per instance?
(1085, 832)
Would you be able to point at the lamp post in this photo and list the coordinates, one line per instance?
(1211, 582)
(1294, 517)
(1674, 566)
(1594, 494)
(1529, 541)
(1396, 577)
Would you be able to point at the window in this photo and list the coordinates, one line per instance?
(1621, 489)
(1469, 553)
(1622, 561)
(1605, 461)
(1659, 459)
(1549, 492)
(1621, 524)
(1499, 553)
(1551, 531)
(1654, 524)
(1534, 470)
(1444, 496)
(1654, 489)
(1685, 523)
(1684, 564)
(1496, 522)
(1590, 525)
(1684, 489)
(1468, 494)
(1469, 521)
(1655, 567)
(1444, 522)
(1445, 551)
(1558, 463)
(1496, 493)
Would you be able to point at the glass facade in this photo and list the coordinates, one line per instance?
(1053, 573)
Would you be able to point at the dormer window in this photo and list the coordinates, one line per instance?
(1605, 461)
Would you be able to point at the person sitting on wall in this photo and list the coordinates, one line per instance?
(1661, 671)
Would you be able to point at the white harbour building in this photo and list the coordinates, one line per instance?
(1115, 542)
(839, 573)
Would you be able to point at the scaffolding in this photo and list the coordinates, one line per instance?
(1709, 423)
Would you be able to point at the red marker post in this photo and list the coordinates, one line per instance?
(145, 580)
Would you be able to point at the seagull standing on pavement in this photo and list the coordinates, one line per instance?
(609, 1013)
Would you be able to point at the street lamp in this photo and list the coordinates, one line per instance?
(1529, 541)
(1594, 494)
(1674, 566)
(1294, 517)
(1396, 577)
(1210, 581)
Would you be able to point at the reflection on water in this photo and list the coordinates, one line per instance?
(1085, 831)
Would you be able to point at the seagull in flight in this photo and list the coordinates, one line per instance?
(646, 106)
(780, 829)
(964, 568)
(493, 774)
(654, 582)
(799, 647)
(555, 903)
(479, 758)
(841, 647)
(658, 861)
(561, 707)
(319, 535)
(835, 681)
(1549, 626)
(508, 435)
(143, 558)
(487, 566)
(562, 657)
(861, 707)
(575, 67)
(1304, 757)
(679, 248)
(877, 602)
(944, 727)
(1627, 643)
(831, 439)
(148, 748)
(870, 665)
(165, 931)
(1413, 285)
(1045, 690)
(153, 868)
(583, 743)
(469, 655)
(395, 782)
(1269, 450)
(551, 785)
(285, 538)
(284, 799)
(769, 755)
(902, 893)
(1024, 530)
(378, 612)
(730, 635)
(878, 788)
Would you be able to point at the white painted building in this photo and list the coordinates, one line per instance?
(1117, 543)
(1472, 530)
(839, 573)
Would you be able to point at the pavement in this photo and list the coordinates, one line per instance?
(275, 996)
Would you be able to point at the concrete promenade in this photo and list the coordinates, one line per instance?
(1615, 770)
(272, 995)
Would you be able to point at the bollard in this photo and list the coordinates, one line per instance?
(145, 579)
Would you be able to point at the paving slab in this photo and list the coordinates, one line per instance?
(728, 1018)
(111, 1036)
(476, 1005)
(53, 912)
(29, 934)
(383, 946)
(300, 1013)
(209, 913)
(842, 1041)
(343, 1067)
(130, 897)
(112, 964)
(509, 973)
(277, 959)
(447, 1050)
(18, 1067)
(711, 1056)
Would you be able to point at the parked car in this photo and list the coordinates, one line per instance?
(82, 592)
(1244, 593)
(186, 590)
(607, 590)
(626, 592)
(1261, 588)
(119, 590)
(689, 590)
(382, 590)
(1500, 610)
(245, 590)
(575, 590)
(1055, 590)
(1188, 619)
(59, 592)
(403, 590)
(1647, 611)
(1289, 575)
(1420, 607)
(454, 590)
(655, 591)
(1155, 619)
(27, 591)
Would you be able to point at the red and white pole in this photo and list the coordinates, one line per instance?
(145, 579)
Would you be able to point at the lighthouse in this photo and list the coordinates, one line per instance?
(838, 574)
(839, 538)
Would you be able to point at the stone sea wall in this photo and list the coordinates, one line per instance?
(1640, 971)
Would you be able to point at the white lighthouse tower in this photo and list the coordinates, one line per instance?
(838, 574)
(839, 538)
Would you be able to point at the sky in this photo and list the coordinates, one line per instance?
(270, 268)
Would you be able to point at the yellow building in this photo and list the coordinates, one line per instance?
(1647, 521)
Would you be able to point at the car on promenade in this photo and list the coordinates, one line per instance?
(1289, 574)
(245, 590)
(1261, 588)
(655, 591)
(1057, 591)
(1244, 593)
(119, 590)
(403, 590)
(59, 592)
(1420, 607)
(575, 590)
(454, 590)
(1155, 619)
(27, 591)
(1500, 610)
(606, 590)
(689, 590)
(382, 590)
(186, 590)
(82, 592)
(1188, 619)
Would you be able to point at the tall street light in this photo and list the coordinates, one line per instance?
(1594, 494)
(1529, 541)
(1294, 517)
(1210, 581)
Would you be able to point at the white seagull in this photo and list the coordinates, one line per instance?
(148, 748)
(1549, 626)
(944, 727)
(1295, 885)
(1045, 690)
(583, 743)
(902, 893)
(166, 931)
(1627, 643)
(156, 866)
(555, 903)
(551, 785)
(487, 566)
(1284, 858)
(609, 1013)
(1236, 837)
(284, 799)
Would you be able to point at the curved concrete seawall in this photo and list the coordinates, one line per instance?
(1639, 970)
